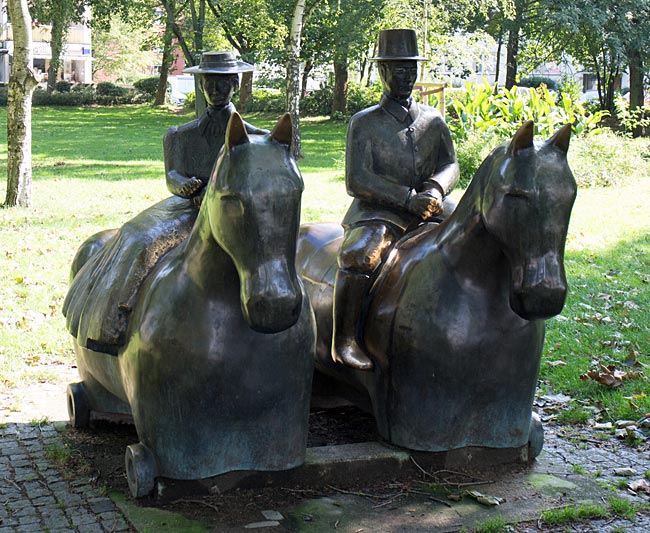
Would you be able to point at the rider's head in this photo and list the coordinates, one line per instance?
(218, 88)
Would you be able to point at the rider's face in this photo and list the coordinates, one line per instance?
(398, 77)
(218, 88)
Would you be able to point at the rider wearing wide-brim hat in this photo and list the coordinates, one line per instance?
(400, 164)
(190, 151)
(98, 306)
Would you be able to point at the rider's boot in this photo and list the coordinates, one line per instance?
(349, 293)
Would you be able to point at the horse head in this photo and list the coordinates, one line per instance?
(253, 205)
(525, 205)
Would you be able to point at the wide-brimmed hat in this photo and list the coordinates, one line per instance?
(398, 45)
(219, 63)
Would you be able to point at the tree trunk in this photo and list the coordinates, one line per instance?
(498, 63)
(512, 52)
(340, 96)
(59, 29)
(293, 75)
(636, 86)
(245, 90)
(19, 109)
(309, 66)
(167, 59)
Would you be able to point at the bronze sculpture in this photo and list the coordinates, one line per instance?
(190, 152)
(400, 165)
(217, 361)
(455, 319)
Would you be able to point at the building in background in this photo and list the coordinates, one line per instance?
(76, 58)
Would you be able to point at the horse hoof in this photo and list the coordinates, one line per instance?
(78, 405)
(141, 470)
(535, 436)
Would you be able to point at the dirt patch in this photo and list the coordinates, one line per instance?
(98, 453)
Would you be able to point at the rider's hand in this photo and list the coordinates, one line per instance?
(198, 199)
(426, 204)
(190, 188)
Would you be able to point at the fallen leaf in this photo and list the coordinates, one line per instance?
(484, 499)
(641, 485)
(609, 376)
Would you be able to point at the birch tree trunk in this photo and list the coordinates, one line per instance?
(19, 109)
(293, 75)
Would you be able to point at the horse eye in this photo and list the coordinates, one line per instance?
(518, 193)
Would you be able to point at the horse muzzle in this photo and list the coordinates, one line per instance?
(539, 289)
(271, 299)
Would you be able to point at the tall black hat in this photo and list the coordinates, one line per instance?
(398, 45)
(219, 63)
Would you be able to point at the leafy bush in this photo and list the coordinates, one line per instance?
(570, 86)
(479, 109)
(606, 160)
(190, 101)
(472, 151)
(147, 87)
(106, 88)
(42, 98)
(631, 118)
(266, 100)
(63, 86)
(537, 81)
(319, 102)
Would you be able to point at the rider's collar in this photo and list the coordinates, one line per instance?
(399, 112)
(216, 116)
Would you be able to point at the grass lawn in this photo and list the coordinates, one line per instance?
(94, 168)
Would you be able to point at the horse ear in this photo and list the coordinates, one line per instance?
(283, 131)
(523, 138)
(561, 138)
(236, 132)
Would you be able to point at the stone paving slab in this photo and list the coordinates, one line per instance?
(36, 497)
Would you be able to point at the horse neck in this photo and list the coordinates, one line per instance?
(463, 241)
(203, 259)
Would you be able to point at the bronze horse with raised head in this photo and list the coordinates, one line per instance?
(217, 364)
(454, 321)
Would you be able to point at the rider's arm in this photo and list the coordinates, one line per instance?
(177, 182)
(446, 171)
(361, 180)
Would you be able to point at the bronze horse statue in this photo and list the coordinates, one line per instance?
(454, 321)
(217, 364)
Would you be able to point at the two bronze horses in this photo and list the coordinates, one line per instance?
(217, 366)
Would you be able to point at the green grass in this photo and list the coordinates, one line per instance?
(94, 168)
(576, 513)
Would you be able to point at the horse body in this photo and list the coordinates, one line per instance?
(217, 365)
(455, 318)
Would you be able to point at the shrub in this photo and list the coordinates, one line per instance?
(62, 86)
(266, 100)
(471, 152)
(631, 118)
(106, 88)
(42, 98)
(319, 102)
(479, 109)
(190, 101)
(537, 81)
(147, 87)
(607, 159)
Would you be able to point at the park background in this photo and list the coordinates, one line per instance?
(98, 161)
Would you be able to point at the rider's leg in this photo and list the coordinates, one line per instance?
(362, 251)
